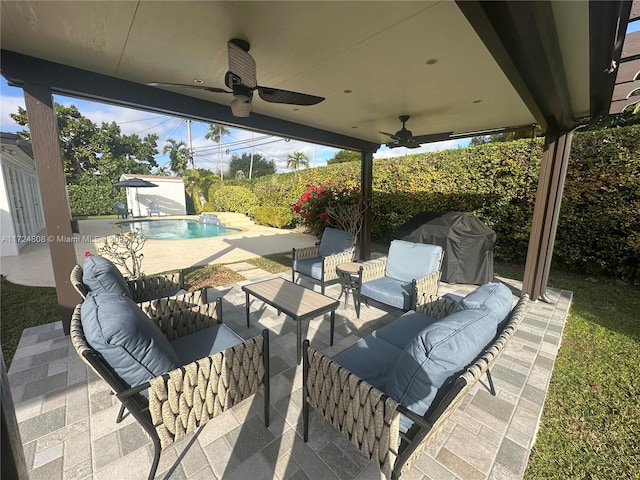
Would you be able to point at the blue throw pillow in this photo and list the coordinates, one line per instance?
(100, 275)
(407, 260)
(127, 339)
(437, 353)
(495, 296)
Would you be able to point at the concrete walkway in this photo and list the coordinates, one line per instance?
(67, 415)
(33, 265)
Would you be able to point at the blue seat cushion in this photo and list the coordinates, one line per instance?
(128, 340)
(335, 241)
(371, 359)
(404, 329)
(407, 261)
(388, 291)
(311, 267)
(100, 275)
(495, 296)
(436, 354)
(205, 342)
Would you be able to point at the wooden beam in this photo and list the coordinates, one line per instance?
(366, 189)
(51, 180)
(546, 212)
(20, 69)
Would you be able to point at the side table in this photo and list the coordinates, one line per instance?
(349, 274)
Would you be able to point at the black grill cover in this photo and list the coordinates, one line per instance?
(467, 242)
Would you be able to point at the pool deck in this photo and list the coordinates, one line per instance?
(33, 265)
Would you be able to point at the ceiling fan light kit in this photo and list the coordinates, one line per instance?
(241, 79)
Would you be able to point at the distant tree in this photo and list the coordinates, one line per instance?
(197, 182)
(296, 160)
(216, 133)
(344, 156)
(178, 156)
(261, 166)
(164, 171)
(98, 155)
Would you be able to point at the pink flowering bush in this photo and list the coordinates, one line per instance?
(330, 206)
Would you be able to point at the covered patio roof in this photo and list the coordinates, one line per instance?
(461, 67)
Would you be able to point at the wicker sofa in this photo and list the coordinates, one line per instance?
(408, 394)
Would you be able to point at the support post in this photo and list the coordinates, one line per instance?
(555, 159)
(366, 190)
(52, 183)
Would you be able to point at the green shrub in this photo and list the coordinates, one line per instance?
(234, 199)
(94, 199)
(271, 216)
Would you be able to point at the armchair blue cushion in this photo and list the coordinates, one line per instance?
(100, 275)
(203, 343)
(495, 296)
(406, 261)
(128, 340)
(335, 241)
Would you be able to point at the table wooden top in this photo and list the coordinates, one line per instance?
(294, 300)
(352, 268)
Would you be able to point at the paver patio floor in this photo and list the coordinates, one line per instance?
(67, 415)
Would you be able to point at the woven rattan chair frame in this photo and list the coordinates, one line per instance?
(329, 263)
(422, 288)
(149, 292)
(182, 401)
(370, 419)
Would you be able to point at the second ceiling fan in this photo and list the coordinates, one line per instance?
(241, 80)
(404, 137)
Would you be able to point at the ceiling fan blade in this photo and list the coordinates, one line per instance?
(241, 64)
(187, 85)
(432, 137)
(276, 95)
(392, 135)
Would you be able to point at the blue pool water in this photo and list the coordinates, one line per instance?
(178, 229)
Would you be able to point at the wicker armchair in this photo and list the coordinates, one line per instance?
(370, 419)
(406, 278)
(183, 400)
(320, 261)
(155, 294)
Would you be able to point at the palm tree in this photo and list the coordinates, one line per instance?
(296, 160)
(216, 133)
(163, 171)
(178, 154)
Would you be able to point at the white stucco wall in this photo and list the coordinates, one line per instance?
(169, 195)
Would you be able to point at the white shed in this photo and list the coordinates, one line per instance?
(22, 218)
(168, 195)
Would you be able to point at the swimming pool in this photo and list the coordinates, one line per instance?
(178, 229)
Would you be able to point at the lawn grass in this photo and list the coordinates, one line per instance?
(23, 307)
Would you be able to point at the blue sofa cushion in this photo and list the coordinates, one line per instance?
(311, 267)
(127, 339)
(205, 342)
(335, 241)
(100, 275)
(437, 353)
(495, 296)
(388, 291)
(371, 359)
(407, 260)
(404, 329)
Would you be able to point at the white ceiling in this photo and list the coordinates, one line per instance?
(378, 50)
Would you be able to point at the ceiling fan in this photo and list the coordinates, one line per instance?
(241, 79)
(404, 137)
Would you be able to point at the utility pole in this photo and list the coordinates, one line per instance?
(251, 163)
(190, 145)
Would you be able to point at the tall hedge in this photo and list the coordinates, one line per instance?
(93, 199)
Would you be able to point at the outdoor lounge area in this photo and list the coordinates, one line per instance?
(67, 416)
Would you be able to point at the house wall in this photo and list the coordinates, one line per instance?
(169, 195)
(21, 216)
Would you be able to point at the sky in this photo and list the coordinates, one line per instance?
(206, 152)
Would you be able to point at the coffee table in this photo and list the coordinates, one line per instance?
(297, 302)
